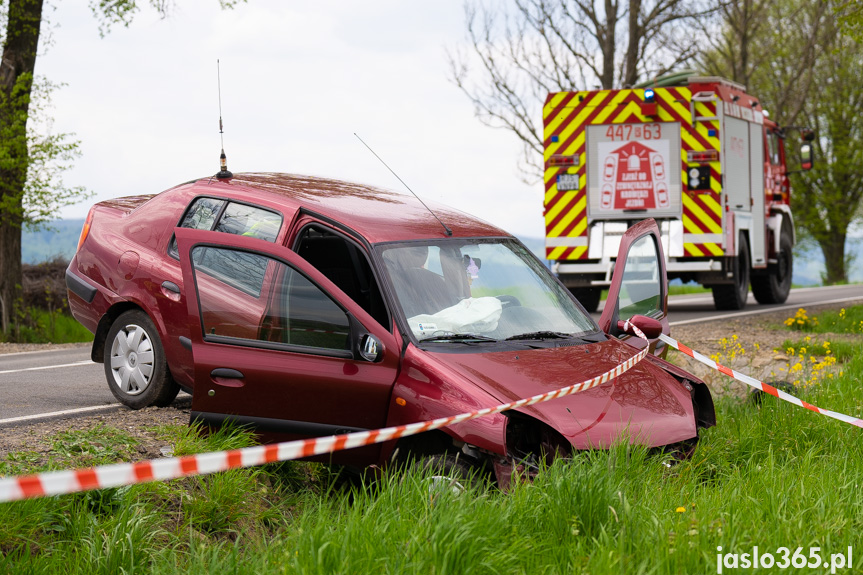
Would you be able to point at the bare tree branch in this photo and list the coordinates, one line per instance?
(519, 53)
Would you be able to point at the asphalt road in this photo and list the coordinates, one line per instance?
(65, 383)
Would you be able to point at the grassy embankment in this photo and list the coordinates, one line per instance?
(770, 476)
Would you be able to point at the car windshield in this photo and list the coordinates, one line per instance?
(493, 289)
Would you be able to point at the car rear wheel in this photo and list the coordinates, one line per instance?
(135, 363)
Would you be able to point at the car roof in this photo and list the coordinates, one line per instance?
(377, 214)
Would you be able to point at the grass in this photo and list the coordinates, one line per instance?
(846, 320)
(687, 288)
(771, 476)
(41, 326)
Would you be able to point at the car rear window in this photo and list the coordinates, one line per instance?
(229, 217)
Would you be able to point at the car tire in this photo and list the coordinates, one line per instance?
(774, 288)
(135, 365)
(733, 296)
(587, 297)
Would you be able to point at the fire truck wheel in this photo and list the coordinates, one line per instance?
(733, 296)
(774, 288)
(588, 297)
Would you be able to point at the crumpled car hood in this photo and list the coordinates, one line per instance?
(645, 404)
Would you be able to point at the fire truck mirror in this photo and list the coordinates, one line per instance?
(806, 156)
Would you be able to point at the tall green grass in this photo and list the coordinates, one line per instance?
(770, 476)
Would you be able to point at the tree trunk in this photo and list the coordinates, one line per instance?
(607, 42)
(633, 46)
(16, 82)
(833, 248)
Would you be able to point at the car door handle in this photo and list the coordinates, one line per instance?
(226, 373)
(171, 286)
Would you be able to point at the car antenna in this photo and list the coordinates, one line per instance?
(448, 231)
(223, 160)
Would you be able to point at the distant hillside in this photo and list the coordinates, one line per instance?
(62, 240)
(44, 245)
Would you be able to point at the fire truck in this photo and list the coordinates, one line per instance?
(699, 155)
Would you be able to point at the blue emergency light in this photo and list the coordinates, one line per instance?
(649, 95)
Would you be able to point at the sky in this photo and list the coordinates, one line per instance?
(298, 79)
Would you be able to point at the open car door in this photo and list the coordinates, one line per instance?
(639, 285)
(278, 347)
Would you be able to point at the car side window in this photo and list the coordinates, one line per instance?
(244, 220)
(346, 265)
(202, 214)
(229, 217)
(288, 311)
(640, 290)
(241, 270)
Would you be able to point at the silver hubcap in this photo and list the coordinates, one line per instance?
(132, 359)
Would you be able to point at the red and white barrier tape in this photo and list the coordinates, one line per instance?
(752, 382)
(72, 481)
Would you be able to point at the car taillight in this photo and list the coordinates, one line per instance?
(85, 231)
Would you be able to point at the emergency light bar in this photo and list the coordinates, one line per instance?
(560, 160)
(700, 157)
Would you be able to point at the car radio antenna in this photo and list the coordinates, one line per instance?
(223, 160)
(448, 231)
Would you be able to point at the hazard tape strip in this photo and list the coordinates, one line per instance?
(120, 474)
(752, 382)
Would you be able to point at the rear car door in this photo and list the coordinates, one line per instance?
(639, 285)
(276, 343)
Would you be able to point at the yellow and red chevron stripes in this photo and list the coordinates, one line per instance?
(566, 116)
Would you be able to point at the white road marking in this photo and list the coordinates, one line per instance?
(767, 310)
(59, 413)
(76, 348)
(85, 362)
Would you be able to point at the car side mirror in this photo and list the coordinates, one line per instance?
(370, 348)
(649, 326)
(806, 156)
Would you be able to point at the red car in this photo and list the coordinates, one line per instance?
(306, 307)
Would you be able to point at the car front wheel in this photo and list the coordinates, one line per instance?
(135, 363)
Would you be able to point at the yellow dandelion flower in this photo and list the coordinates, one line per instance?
(681, 510)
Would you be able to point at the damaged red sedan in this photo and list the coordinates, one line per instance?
(306, 307)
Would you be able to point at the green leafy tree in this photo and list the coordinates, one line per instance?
(32, 159)
(850, 15)
(827, 200)
(793, 56)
